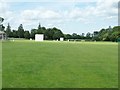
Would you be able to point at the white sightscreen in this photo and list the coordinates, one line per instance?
(39, 37)
(61, 39)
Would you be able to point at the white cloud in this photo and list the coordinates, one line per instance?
(5, 12)
(29, 17)
(107, 7)
(3, 8)
(112, 17)
(51, 0)
(50, 15)
(75, 13)
(39, 14)
(103, 9)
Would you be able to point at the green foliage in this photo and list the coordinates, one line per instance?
(109, 34)
(27, 34)
(88, 35)
(1, 19)
(39, 26)
(1, 25)
(8, 31)
(2, 28)
(33, 32)
(67, 36)
(57, 33)
(21, 31)
(39, 30)
(15, 34)
(49, 34)
(73, 36)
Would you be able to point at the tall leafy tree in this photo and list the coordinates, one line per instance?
(2, 28)
(33, 32)
(95, 35)
(39, 26)
(74, 36)
(67, 36)
(57, 33)
(27, 34)
(109, 34)
(39, 30)
(88, 35)
(82, 35)
(21, 31)
(115, 33)
(1, 25)
(8, 31)
(15, 33)
(1, 20)
(50, 34)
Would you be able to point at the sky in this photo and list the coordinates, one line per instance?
(71, 16)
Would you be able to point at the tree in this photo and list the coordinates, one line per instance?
(74, 36)
(95, 35)
(67, 36)
(101, 33)
(88, 35)
(2, 28)
(49, 34)
(43, 29)
(1, 25)
(57, 33)
(33, 32)
(8, 31)
(15, 33)
(39, 26)
(83, 36)
(27, 34)
(115, 33)
(109, 34)
(39, 30)
(1, 20)
(21, 31)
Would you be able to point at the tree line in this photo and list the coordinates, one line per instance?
(49, 33)
(109, 34)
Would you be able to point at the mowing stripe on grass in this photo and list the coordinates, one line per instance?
(60, 64)
(0, 64)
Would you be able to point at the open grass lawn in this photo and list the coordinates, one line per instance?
(0, 65)
(60, 64)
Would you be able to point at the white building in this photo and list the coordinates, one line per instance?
(3, 35)
(39, 37)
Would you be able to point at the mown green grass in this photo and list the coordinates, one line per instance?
(60, 64)
(0, 65)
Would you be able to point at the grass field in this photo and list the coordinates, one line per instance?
(60, 64)
(0, 65)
